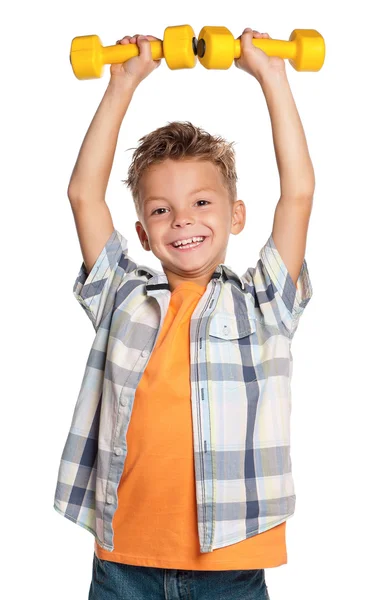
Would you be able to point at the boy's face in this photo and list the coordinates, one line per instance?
(176, 213)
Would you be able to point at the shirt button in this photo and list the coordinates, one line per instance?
(145, 353)
(118, 451)
(123, 401)
(225, 329)
(110, 499)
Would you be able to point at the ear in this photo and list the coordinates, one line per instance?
(238, 217)
(143, 238)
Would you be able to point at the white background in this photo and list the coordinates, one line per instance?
(337, 541)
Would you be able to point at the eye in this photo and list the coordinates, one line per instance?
(157, 209)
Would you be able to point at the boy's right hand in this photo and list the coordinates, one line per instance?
(137, 67)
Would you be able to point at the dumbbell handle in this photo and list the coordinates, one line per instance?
(279, 48)
(121, 52)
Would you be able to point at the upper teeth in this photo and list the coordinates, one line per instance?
(183, 242)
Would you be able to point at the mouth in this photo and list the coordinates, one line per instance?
(189, 247)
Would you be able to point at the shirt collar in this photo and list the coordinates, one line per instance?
(158, 278)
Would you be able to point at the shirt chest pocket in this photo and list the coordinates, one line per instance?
(231, 342)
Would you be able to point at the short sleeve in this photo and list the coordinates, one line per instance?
(96, 291)
(281, 302)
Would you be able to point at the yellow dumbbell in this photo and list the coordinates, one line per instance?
(305, 50)
(88, 56)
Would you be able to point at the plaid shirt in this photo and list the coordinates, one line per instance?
(241, 368)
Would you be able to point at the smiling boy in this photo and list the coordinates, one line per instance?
(178, 455)
(174, 208)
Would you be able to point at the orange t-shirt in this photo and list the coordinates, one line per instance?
(155, 524)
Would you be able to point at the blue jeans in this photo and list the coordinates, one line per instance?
(118, 581)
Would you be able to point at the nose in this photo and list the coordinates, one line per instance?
(181, 219)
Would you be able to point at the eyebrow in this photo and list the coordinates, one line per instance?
(203, 189)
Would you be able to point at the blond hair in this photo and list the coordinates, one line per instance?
(181, 140)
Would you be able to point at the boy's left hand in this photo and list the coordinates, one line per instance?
(253, 60)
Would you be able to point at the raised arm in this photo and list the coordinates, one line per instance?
(296, 172)
(88, 184)
(89, 180)
(293, 210)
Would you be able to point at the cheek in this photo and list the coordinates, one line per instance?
(222, 222)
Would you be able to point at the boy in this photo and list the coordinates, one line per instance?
(178, 456)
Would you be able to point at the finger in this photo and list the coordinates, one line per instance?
(132, 38)
(246, 38)
(246, 31)
(144, 46)
(126, 39)
(148, 37)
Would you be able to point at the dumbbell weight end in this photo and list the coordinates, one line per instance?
(310, 50)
